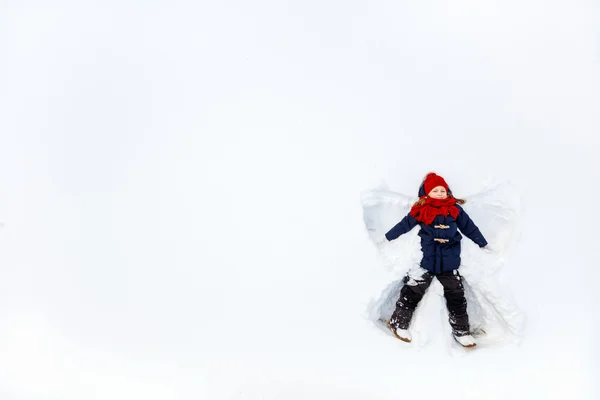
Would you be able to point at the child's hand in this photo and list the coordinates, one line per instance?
(380, 241)
(489, 249)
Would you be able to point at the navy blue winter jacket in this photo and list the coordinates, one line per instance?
(440, 257)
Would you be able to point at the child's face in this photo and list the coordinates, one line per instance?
(438, 192)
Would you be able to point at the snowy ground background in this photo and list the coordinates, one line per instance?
(180, 182)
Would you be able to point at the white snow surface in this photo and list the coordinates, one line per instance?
(180, 192)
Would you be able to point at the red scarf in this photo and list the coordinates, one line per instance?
(430, 208)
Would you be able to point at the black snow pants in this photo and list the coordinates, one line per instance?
(413, 290)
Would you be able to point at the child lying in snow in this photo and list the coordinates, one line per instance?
(440, 216)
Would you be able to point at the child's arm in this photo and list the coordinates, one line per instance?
(401, 227)
(468, 227)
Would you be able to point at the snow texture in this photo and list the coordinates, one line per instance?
(497, 211)
(180, 182)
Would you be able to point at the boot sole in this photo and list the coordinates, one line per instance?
(395, 334)
(467, 346)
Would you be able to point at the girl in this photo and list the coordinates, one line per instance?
(440, 216)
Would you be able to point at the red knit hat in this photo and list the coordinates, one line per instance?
(432, 181)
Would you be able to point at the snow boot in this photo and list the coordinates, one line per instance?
(465, 340)
(402, 334)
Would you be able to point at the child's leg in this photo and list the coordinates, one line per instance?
(454, 292)
(412, 292)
